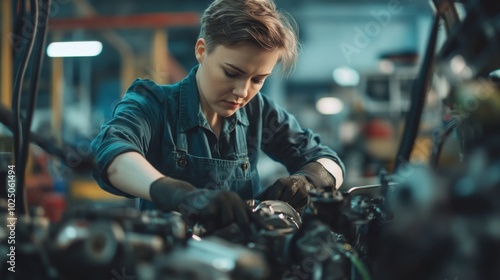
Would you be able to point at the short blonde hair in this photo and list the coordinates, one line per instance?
(229, 22)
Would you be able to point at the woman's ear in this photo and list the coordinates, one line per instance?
(200, 49)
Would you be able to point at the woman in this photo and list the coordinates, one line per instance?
(193, 146)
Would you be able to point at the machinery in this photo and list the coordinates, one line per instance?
(420, 222)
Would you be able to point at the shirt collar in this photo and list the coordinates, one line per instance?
(241, 116)
(190, 114)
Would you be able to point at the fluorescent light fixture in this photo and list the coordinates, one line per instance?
(345, 76)
(74, 49)
(329, 105)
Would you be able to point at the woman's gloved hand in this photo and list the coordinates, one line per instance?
(294, 188)
(212, 208)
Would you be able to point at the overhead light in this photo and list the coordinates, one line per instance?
(345, 76)
(386, 66)
(74, 49)
(460, 67)
(329, 105)
(457, 64)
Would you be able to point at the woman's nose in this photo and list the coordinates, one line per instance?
(241, 89)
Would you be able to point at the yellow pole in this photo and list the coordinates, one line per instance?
(128, 71)
(6, 61)
(159, 57)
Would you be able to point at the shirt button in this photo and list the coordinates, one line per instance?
(245, 166)
(182, 162)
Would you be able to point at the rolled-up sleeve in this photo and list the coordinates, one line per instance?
(285, 141)
(130, 129)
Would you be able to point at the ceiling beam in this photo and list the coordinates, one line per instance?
(156, 20)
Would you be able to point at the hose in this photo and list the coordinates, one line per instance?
(419, 96)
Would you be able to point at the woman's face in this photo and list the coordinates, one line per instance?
(229, 77)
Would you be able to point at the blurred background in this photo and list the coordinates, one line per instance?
(351, 85)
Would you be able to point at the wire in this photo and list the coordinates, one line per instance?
(22, 124)
(41, 35)
(16, 106)
(7, 118)
(360, 266)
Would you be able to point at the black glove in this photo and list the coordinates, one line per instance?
(211, 208)
(294, 189)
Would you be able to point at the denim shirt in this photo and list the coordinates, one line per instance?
(165, 124)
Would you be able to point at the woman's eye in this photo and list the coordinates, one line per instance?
(230, 75)
(258, 81)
